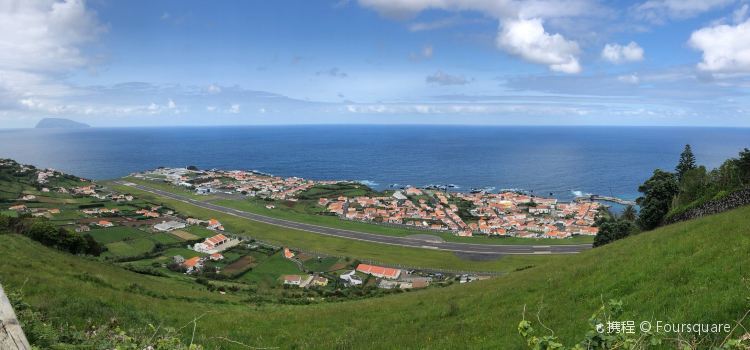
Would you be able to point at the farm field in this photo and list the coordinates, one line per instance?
(269, 271)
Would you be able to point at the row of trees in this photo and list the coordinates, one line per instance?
(667, 193)
(690, 185)
(50, 235)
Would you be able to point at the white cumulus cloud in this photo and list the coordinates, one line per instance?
(521, 30)
(617, 53)
(39, 40)
(726, 48)
(528, 39)
(45, 35)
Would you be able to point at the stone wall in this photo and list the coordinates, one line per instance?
(733, 200)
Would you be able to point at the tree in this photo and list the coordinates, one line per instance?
(693, 185)
(743, 165)
(727, 175)
(658, 192)
(92, 246)
(611, 231)
(629, 214)
(687, 162)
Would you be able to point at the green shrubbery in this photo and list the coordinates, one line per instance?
(50, 235)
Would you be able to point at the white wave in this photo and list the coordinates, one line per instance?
(368, 182)
(580, 193)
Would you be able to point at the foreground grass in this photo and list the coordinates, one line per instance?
(388, 254)
(692, 272)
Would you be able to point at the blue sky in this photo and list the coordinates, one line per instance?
(543, 62)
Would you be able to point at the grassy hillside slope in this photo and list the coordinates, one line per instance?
(689, 272)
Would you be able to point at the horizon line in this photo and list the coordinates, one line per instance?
(384, 124)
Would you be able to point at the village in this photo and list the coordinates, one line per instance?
(494, 214)
(505, 214)
(154, 239)
(250, 183)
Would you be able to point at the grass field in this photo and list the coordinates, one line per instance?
(693, 272)
(412, 257)
(269, 271)
(115, 234)
(199, 231)
(322, 265)
(127, 248)
(165, 238)
(184, 252)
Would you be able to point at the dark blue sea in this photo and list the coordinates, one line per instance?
(561, 161)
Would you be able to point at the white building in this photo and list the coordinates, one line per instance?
(211, 244)
(169, 226)
(351, 278)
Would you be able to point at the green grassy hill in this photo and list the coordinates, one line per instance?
(689, 272)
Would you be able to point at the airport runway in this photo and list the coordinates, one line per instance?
(465, 248)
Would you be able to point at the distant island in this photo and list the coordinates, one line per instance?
(60, 123)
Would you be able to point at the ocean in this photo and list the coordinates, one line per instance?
(549, 161)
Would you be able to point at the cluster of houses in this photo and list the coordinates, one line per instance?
(413, 207)
(386, 277)
(250, 183)
(495, 214)
(195, 263)
(521, 215)
(35, 212)
(499, 214)
(305, 281)
(390, 278)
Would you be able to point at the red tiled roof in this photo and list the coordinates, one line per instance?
(191, 262)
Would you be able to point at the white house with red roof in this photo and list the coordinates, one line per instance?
(379, 271)
(214, 244)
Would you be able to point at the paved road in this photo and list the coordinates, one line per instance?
(414, 242)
